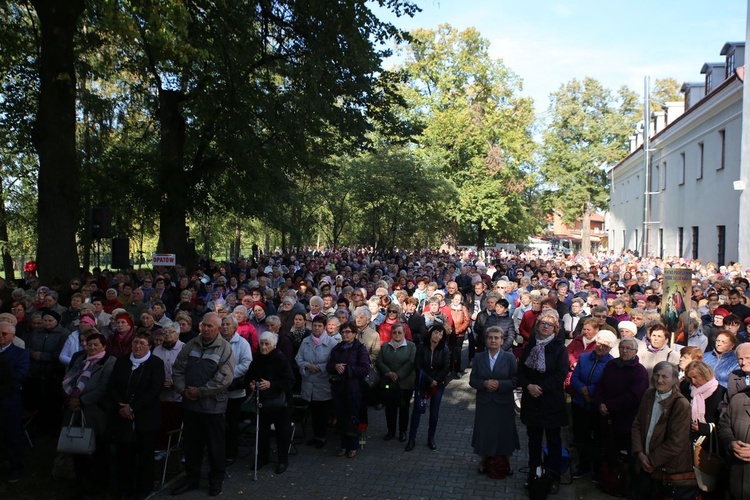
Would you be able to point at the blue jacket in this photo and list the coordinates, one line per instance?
(19, 361)
(587, 373)
(722, 366)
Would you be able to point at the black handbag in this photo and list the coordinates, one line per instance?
(274, 402)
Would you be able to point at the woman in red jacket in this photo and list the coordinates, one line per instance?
(461, 322)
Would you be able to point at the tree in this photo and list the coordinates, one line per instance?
(477, 129)
(588, 130)
(665, 90)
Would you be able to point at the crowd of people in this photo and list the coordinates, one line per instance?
(138, 355)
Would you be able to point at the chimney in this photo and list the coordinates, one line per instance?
(659, 120)
(694, 92)
(632, 143)
(673, 109)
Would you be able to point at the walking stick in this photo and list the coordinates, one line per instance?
(257, 430)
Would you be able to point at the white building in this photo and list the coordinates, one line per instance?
(694, 173)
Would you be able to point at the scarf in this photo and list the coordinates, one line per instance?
(456, 307)
(79, 374)
(138, 361)
(699, 395)
(620, 363)
(586, 341)
(320, 340)
(536, 360)
(298, 334)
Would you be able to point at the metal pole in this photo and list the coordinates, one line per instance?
(646, 156)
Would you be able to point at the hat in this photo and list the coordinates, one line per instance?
(88, 319)
(627, 325)
(610, 296)
(606, 337)
(126, 317)
(51, 312)
(8, 318)
(260, 304)
(720, 311)
(563, 282)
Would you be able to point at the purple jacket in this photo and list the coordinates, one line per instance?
(357, 366)
(621, 389)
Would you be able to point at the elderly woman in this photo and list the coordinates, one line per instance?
(74, 343)
(585, 342)
(586, 376)
(42, 388)
(244, 328)
(688, 354)
(316, 308)
(311, 359)
(378, 316)
(542, 370)
(135, 416)
(657, 348)
(396, 367)
(185, 323)
(392, 318)
(433, 366)
(495, 437)
(623, 382)
(85, 388)
(243, 356)
(285, 345)
(171, 400)
(722, 360)
(271, 374)
(348, 366)
(705, 396)
(661, 439)
(123, 332)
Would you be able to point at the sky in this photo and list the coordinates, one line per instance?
(548, 42)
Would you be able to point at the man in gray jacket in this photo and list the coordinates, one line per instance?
(201, 374)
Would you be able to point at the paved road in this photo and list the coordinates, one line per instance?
(385, 470)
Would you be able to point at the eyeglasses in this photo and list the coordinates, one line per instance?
(347, 331)
(623, 348)
(546, 324)
(392, 311)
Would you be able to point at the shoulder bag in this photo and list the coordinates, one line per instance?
(706, 463)
(77, 440)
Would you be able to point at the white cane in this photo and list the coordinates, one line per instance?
(257, 431)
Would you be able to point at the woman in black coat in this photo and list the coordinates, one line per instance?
(541, 373)
(135, 417)
(432, 366)
(271, 373)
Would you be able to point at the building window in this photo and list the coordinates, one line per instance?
(722, 148)
(656, 179)
(637, 242)
(695, 242)
(661, 242)
(680, 240)
(699, 173)
(681, 172)
(709, 82)
(730, 64)
(722, 237)
(637, 186)
(664, 176)
(623, 239)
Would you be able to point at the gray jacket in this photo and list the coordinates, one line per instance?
(210, 369)
(315, 386)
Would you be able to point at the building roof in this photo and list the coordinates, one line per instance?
(729, 46)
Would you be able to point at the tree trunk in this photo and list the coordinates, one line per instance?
(586, 230)
(481, 236)
(54, 137)
(237, 239)
(172, 177)
(7, 259)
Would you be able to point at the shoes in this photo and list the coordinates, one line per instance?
(230, 460)
(554, 487)
(351, 454)
(15, 476)
(579, 473)
(320, 444)
(160, 455)
(431, 444)
(389, 436)
(341, 452)
(411, 444)
(184, 488)
(260, 464)
(402, 437)
(281, 468)
(214, 490)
